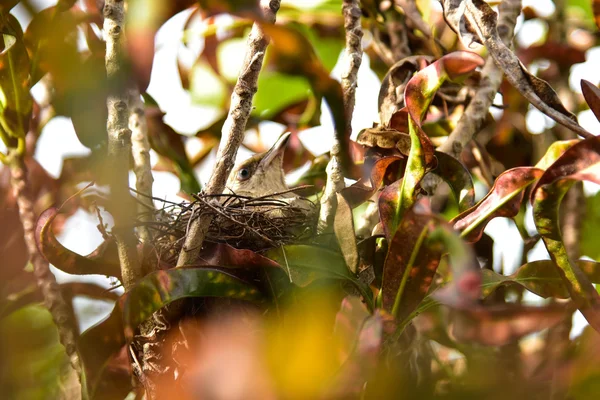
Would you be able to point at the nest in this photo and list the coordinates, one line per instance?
(243, 222)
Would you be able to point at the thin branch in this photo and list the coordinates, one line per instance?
(140, 148)
(46, 282)
(491, 78)
(233, 128)
(335, 177)
(119, 144)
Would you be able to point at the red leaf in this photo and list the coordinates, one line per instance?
(592, 96)
(503, 200)
(98, 262)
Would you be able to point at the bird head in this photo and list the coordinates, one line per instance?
(262, 174)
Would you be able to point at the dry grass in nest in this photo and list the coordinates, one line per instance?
(243, 222)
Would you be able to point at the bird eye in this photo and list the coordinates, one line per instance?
(243, 174)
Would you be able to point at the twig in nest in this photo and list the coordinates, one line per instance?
(242, 222)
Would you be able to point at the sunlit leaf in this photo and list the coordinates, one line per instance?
(580, 162)
(503, 200)
(15, 101)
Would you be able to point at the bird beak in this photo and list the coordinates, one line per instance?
(275, 152)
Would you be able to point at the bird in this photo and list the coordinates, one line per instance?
(262, 175)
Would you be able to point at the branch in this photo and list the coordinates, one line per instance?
(119, 145)
(335, 178)
(491, 78)
(46, 282)
(233, 128)
(140, 148)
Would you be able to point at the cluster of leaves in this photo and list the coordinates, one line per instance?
(413, 305)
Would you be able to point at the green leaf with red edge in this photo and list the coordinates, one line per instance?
(457, 176)
(161, 288)
(418, 94)
(410, 265)
(343, 226)
(16, 103)
(580, 162)
(499, 325)
(591, 93)
(503, 200)
(305, 264)
(539, 277)
(102, 261)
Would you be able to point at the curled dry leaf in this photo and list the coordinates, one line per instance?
(391, 93)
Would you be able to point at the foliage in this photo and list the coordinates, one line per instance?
(401, 296)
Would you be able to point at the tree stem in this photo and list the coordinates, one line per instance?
(233, 128)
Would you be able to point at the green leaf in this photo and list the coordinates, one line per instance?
(343, 226)
(277, 91)
(15, 101)
(457, 176)
(579, 162)
(590, 227)
(539, 277)
(206, 87)
(305, 264)
(160, 288)
(33, 361)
